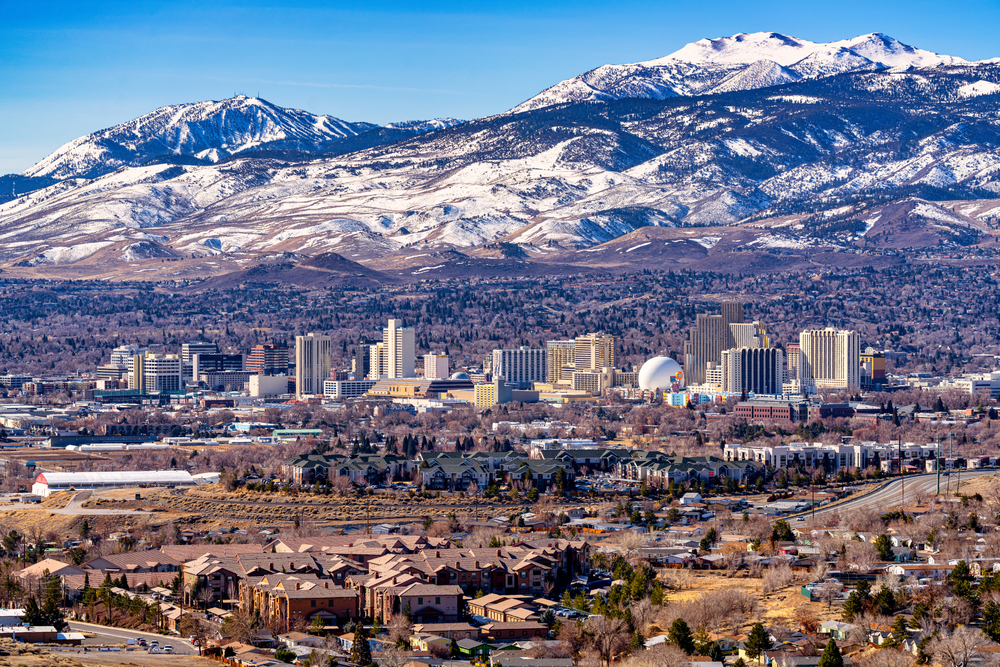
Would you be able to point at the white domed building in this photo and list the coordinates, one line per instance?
(661, 373)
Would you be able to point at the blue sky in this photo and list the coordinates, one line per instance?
(67, 69)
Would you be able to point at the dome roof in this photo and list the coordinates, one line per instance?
(661, 373)
(460, 375)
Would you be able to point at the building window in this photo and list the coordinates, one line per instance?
(313, 603)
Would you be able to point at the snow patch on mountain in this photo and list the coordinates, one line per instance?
(740, 62)
(978, 88)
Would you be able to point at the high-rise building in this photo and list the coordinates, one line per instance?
(215, 363)
(793, 363)
(757, 370)
(193, 347)
(155, 372)
(750, 334)
(594, 352)
(436, 366)
(312, 363)
(378, 361)
(830, 359)
(122, 356)
(400, 350)
(559, 354)
(710, 335)
(268, 359)
(362, 359)
(520, 367)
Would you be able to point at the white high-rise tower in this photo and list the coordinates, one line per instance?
(400, 350)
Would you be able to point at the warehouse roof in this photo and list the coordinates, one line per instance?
(107, 478)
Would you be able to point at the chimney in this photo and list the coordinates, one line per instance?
(326, 584)
(498, 552)
(296, 585)
(458, 566)
(394, 581)
(477, 564)
(437, 554)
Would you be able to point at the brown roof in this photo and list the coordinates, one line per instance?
(186, 552)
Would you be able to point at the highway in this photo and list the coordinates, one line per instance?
(887, 496)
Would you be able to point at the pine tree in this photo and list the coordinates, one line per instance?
(831, 656)
(757, 642)
(680, 635)
(361, 652)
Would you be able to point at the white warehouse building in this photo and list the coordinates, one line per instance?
(53, 482)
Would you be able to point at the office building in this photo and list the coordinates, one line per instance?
(347, 388)
(710, 335)
(520, 367)
(312, 363)
(215, 363)
(436, 366)
(268, 359)
(752, 370)
(873, 368)
(594, 352)
(263, 386)
(559, 354)
(191, 348)
(122, 355)
(362, 359)
(155, 373)
(399, 349)
(830, 359)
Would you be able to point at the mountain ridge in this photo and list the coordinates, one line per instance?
(850, 163)
(701, 67)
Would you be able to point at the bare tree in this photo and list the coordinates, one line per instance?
(608, 637)
(664, 655)
(628, 543)
(958, 648)
(885, 657)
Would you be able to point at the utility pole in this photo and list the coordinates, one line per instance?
(937, 465)
(902, 478)
(951, 445)
(812, 488)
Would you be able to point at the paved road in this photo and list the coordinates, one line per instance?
(119, 635)
(888, 495)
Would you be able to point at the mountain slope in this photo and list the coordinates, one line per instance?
(204, 130)
(854, 163)
(207, 132)
(741, 62)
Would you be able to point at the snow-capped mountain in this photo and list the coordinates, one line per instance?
(740, 62)
(880, 157)
(207, 132)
